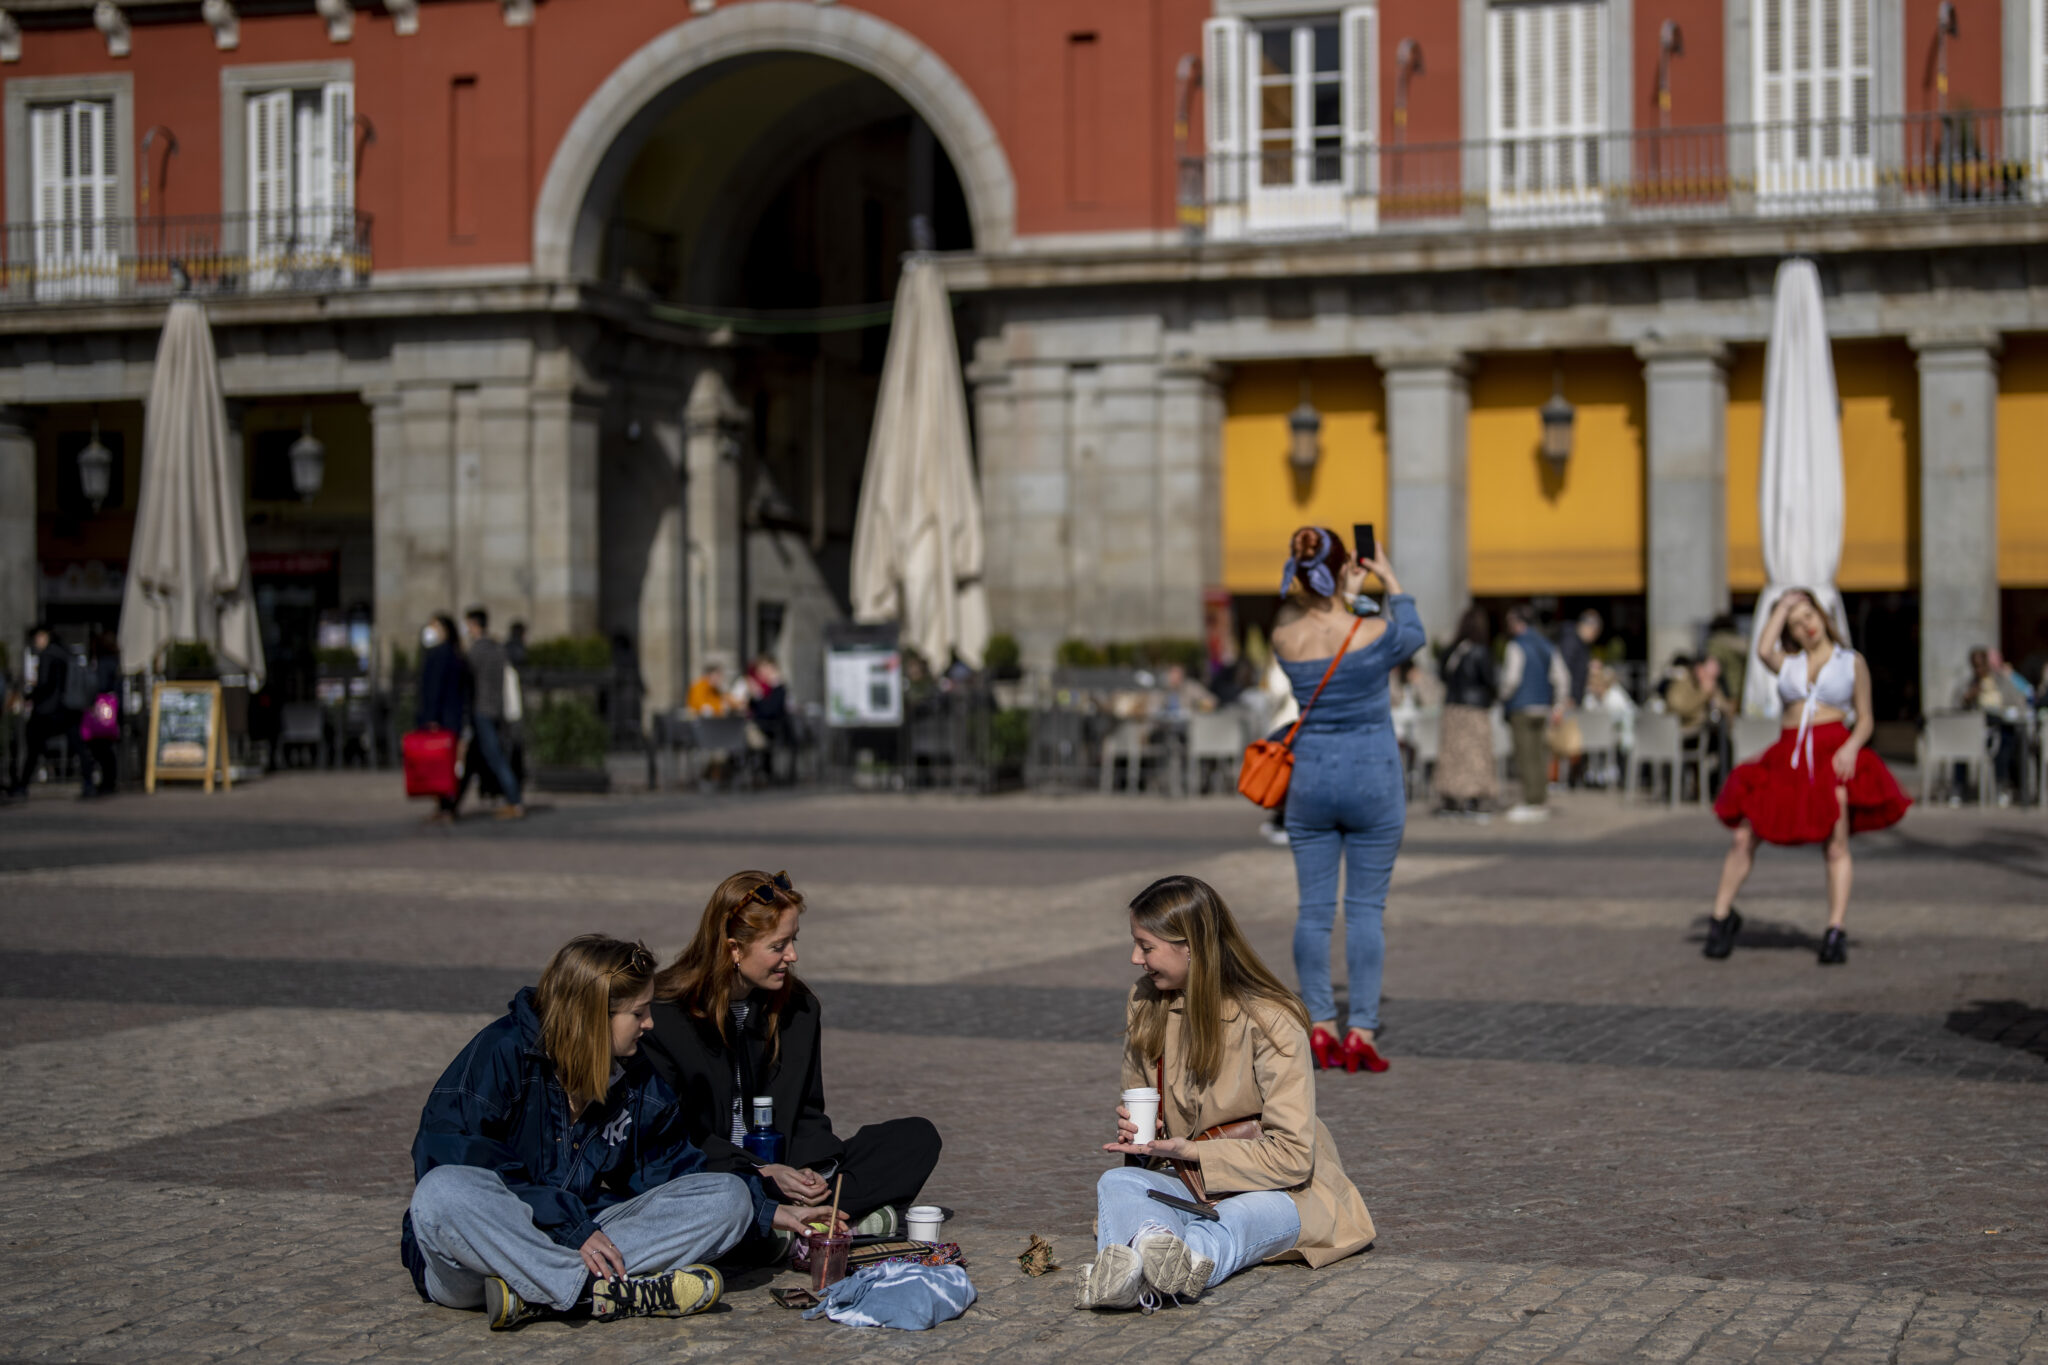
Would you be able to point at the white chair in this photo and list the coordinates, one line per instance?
(1214, 737)
(1752, 735)
(1128, 743)
(1957, 737)
(1428, 741)
(1503, 745)
(1596, 739)
(1660, 742)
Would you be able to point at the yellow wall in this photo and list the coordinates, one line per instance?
(2023, 463)
(1530, 531)
(1880, 393)
(1262, 501)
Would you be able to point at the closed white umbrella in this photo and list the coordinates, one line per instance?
(188, 571)
(917, 543)
(1799, 486)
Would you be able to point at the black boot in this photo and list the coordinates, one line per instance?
(1834, 948)
(1721, 934)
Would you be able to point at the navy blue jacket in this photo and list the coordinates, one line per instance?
(499, 1106)
(444, 690)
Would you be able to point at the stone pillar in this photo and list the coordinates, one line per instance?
(1687, 479)
(1428, 401)
(1190, 513)
(1958, 506)
(566, 422)
(502, 538)
(713, 423)
(663, 632)
(412, 440)
(1028, 492)
(20, 570)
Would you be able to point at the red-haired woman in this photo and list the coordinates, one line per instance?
(732, 1023)
(1818, 784)
(554, 1169)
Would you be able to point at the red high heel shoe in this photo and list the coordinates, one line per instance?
(1359, 1053)
(1329, 1053)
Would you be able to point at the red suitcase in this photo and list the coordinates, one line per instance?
(429, 763)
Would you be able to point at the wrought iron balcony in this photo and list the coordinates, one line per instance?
(1969, 160)
(82, 260)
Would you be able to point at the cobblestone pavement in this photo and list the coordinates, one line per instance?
(218, 1017)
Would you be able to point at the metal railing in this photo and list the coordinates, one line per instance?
(1899, 163)
(69, 261)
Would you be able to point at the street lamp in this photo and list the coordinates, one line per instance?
(1558, 418)
(95, 469)
(1304, 435)
(309, 462)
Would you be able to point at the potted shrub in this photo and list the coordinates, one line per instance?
(190, 661)
(568, 743)
(1003, 659)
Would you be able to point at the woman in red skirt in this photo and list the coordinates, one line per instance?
(1817, 784)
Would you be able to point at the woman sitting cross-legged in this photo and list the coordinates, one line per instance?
(733, 1023)
(1223, 1041)
(555, 1173)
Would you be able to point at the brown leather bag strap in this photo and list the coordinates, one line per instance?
(1356, 622)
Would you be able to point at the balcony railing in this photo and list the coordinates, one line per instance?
(1923, 162)
(314, 251)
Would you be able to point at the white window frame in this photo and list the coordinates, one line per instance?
(1547, 119)
(1816, 121)
(299, 228)
(69, 263)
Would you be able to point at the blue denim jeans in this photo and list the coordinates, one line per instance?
(469, 1225)
(1254, 1227)
(490, 748)
(1347, 806)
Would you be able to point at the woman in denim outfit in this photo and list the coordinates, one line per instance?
(1347, 803)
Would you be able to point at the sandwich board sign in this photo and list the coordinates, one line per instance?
(186, 742)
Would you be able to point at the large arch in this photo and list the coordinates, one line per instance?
(594, 154)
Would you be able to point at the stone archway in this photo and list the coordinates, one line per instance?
(594, 154)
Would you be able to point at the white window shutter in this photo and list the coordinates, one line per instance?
(270, 166)
(92, 197)
(1224, 105)
(1359, 41)
(338, 100)
(48, 128)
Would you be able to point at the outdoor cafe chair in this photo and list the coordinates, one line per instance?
(1130, 744)
(1951, 739)
(1214, 737)
(1503, 744)
(1428, 737)
(720, 737)
(1660, 743)
(1596, 739)
(1752, 735)
(301, 727)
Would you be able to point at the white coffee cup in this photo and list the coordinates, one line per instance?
(923, 1221)
(1143, 1106)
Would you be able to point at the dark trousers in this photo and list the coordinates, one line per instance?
(487, 749)
(887, 1163)
(100, 756)
(36, 736)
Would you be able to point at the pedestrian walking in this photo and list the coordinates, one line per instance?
(1464, 759)
(1533, 688)
(1347, 803)
(2004, 697)
(1818, 784)
(444, 696)
(99, 730)
(487, 670)
(1221, 1041)
(733, 1024)
(555, 1175)
(49, 717)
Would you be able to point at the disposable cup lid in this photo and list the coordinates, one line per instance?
(1142, 1093)
(928, 1213)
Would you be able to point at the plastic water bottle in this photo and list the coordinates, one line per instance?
(762, 1142)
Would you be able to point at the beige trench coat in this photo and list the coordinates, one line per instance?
(1266, 1070)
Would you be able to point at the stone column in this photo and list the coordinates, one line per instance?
(503, 537)
(1027, 493)
(20, 570)
(713, 424)
(1958, 506)
(564, 450)
(1190, 513)
(1687, 387)
(1428, 401)
(663, 632)
(411, 436)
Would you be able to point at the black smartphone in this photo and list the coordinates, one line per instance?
(1363, 541)
(1207, 1211)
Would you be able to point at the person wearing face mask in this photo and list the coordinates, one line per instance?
(732, 1023)
(1818, 784)
(1226, 1045)
(445, 691)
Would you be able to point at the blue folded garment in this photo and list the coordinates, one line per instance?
(897, 1294)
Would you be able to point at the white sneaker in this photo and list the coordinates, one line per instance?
(1528, 815)
(1274, 834)
(1171, 1267)
(1114, 1279)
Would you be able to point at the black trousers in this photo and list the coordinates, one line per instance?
(887, 1163)
(36, 736)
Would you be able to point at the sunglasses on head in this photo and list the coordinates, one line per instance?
(640, 962)
(765, 892)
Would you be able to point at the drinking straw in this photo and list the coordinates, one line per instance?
(832, 1221)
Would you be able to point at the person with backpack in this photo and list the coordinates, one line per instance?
(54, 704)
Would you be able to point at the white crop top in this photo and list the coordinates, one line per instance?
(1835, 687)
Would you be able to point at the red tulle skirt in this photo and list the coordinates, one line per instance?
(1787, 805)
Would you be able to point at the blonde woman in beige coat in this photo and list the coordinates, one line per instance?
(1223, 1040)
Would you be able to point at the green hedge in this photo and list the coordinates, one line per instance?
(567, 733)
(570, 651)
(1156, 652)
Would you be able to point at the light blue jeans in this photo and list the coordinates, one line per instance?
(1346, 807)
(1254, 1226)
(469, 1225)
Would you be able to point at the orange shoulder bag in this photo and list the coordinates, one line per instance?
(1268, 764)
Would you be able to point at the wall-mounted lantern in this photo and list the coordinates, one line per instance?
(1304, 435)
(309, 462)
(1558, 419)
(1945, 28)
(95, 469)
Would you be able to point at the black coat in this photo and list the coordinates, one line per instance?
(444, 688)
(1468, 676)
(693, 1058)
(53, 670)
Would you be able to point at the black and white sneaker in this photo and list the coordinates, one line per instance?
(674, 1294)
(504, 1309)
